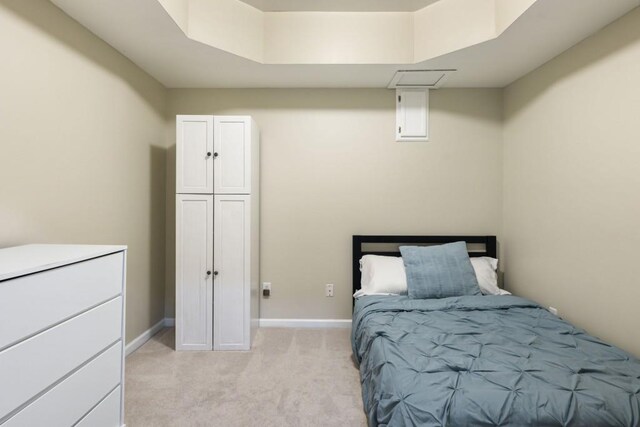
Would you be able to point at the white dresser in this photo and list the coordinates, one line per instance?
(62, 335)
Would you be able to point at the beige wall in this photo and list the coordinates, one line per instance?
(82, 148)
(331, 168)
(572, 184)
(84, 159)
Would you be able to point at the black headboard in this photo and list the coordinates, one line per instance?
(489, 243)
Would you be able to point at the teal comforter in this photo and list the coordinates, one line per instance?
(487, 361)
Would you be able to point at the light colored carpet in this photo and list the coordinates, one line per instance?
(292, 377)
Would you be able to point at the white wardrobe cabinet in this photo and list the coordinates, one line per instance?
(217, 233)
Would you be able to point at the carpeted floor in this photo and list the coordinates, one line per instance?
(292, 377)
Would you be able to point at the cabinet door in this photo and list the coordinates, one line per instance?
(412, 114)
(232, 142)
(194, 154)
(231, 292)
(194, 268)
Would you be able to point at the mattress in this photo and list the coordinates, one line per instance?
(487, 361)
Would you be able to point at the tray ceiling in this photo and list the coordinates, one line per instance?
(338, 49)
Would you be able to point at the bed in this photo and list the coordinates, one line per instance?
(483, 360)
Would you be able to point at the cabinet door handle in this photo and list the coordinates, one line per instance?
(215, 273)
(215, 154)
(208, 273)
(208, 153)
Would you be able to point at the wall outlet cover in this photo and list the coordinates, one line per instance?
(328, 290)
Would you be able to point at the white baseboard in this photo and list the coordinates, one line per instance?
(137, 342)
(305, 323)
(169, 322)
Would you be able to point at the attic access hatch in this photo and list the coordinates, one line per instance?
(412, 101)
(427, 79)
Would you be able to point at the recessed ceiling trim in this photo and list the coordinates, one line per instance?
(339, 5)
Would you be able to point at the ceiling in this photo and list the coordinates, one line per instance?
(143, 31)
(339, 5)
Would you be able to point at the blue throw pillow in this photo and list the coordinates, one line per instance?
(439, 271)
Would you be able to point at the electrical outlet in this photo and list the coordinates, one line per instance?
(328, 290)
(266, 289)
(553, 310)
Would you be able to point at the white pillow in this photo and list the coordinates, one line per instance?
(382, 275)
(385, 275)
(485, 268)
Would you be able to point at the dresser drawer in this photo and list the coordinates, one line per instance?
(106, 414)
(35, 302)
(65, 404)
(34, 365)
